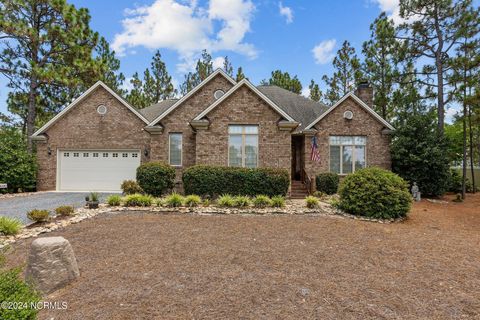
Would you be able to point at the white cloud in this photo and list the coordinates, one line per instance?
(127, 85)
(450, 113)
(392, 8)
(187, 28)
(218, 62)
(306, 92)
(287, 12)
(323, 52)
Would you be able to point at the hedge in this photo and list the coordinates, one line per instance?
(375, 193)
(212, 181)
(155, 178)
(327, 182)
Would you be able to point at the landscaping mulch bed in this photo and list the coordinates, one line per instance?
(136, 265)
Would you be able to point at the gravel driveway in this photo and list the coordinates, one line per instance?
(17, 207)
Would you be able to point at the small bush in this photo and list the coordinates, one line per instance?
(226, 200)
(38, 215)
(130, 187)
(375, 193)
(9, 226)
(156, 178)
(319, 194)
(241, 201)
(64, 211)
(327, 182)
(174, 200)
(137, 200)
(262, 201)
(160, 202)
(206, 202)
(211, 181)
(312, 202)
(192, 200)
(14, 290)
(94, 197)
(114, 200)
(278, 202)
(455, 182)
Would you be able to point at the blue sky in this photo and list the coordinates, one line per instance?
(260, 35)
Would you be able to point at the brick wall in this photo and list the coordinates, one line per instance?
(83, 128)
(244, 107)
(362, 124)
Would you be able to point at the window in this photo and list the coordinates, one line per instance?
(175, 149)
(218, 94)
(115, 155)
(347, 153)
(124, 155)
(85, 154)
(105, 154)
(134, 155)
(243, 146)
(95, 154)
(66, 154)
(75, 154)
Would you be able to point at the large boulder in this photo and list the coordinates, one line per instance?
(51, 264)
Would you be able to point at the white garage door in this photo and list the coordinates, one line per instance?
(95, 170)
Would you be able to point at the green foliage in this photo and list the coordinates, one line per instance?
(206, 202)
(375, 193)
(312, 202)
(285, 81)
(278, 201)
(18, 167)
(226, 200)
(419, 155)
(212, 181)
(315, 92)
(130, 187)
(156, 178)
(240, 75)
(108, 65)
(114, 200)
(160, 202)
(203, 69)
(64, 211)
(93, 196)
(137, 200)
(174, 200)
(15, 291)
(38, 215)
(192, 200)
(261, 201)
(241, 201)
(327, 182)
(319, 194)
(9, 226)
(455, 182)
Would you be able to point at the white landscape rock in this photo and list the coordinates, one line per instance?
(51, 264)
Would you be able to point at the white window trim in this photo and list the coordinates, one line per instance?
(181, 149)
(341, 153)
(243, 135)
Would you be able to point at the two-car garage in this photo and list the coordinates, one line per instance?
(95, 170)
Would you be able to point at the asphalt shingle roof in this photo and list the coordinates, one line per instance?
(157, 109)
(298, 107)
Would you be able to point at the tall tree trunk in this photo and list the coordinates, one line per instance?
(32, 112)
(472, 160)
(464, 164)
(440, 101)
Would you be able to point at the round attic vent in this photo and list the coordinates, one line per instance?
(348, 115)
(218, 94)
(101, 109)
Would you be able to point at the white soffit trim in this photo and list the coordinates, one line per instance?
(361, 103)
(254, 89)
(83, 96)
(191, 92)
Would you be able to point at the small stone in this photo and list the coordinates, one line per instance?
(51, 264)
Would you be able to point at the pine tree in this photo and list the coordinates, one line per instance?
(379, 64)
(136, 97)
(203, 69)
(157, 82)
(432, 35)
(285, 81)
(346, 76)
(47, 43)
(315, 92)
(227, 66)
(109, 67)
(240, 75)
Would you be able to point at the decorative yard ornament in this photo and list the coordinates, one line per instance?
(416, 192)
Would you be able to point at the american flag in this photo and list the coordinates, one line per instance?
(315, 155)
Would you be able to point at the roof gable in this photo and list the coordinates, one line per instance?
(247, 83)
(81, 98)
(191, 93)
(360, 103)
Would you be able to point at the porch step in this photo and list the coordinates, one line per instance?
(298, 190)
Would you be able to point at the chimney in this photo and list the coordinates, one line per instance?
(365, 93)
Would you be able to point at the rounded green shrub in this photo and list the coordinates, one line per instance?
(262, 201)
(9, 226)
(156, 178)
(311, 202)
(137, 200)
(64, 211)
(174, 200)
(38, 215)
(15, 290)
(327, 182)
(375, 193)
(114, 200)
(192, 200)
(212, 181)
(278, 202)
(130, 187)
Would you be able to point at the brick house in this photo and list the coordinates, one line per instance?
(99, 139)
